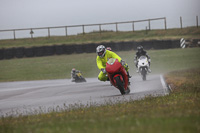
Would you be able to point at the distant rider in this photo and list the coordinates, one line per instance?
(103, 56)
(141, 52)
(73, 74)
(108, 48)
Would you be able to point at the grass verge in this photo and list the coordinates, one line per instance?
(59, 67)
(177, 112)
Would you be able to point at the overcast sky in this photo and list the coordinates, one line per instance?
(16, 14)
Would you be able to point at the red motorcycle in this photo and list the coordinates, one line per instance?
(117, 75)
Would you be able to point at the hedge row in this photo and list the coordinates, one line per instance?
(83, 48)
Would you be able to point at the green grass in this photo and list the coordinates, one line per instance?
(187, 33)
(178, 112)
(59, 67)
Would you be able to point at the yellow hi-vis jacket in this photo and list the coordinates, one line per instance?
(101, 62)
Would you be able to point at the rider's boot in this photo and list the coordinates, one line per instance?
(129, 83)
(129, 76)
(108, 79)
(149, 70)
(137, 68)
(73, 80)
(128, 90)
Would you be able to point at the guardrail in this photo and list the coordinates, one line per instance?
(87, 25)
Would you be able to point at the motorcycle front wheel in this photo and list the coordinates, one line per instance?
(120, 85)
(144, 73)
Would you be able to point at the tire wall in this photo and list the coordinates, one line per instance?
(21, 52)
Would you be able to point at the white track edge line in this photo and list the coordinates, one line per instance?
(164, 85)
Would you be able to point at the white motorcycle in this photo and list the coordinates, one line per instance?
(143, 66)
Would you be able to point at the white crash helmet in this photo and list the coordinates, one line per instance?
(101, 51)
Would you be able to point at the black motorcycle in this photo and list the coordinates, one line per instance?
(79, 78)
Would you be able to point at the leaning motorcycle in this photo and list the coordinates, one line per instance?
(117, 75)
(79, 78)
(143, 66)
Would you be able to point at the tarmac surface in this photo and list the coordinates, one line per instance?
(32, 97)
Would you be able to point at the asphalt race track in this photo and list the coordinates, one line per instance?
(29, 97)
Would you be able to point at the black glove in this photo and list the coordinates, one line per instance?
(123, 62)
(103, 70)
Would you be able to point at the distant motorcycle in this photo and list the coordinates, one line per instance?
(117, 75)
(79, 78)
(143, 66)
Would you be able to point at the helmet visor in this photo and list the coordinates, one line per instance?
(100, 53)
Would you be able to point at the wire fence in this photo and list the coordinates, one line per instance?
(47, 31)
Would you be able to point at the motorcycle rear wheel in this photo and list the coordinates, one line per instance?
(120, 85)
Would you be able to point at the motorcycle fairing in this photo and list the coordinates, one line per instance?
(114, 69)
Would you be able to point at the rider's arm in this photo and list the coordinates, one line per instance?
(114, 55)
(145, 53)
(147, 56)
(149, 59)
(73, 75)
(77, 71)
(135, 58)
(99, 63)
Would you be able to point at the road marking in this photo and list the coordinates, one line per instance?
(164, 85)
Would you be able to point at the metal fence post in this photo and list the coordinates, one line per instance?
(31, 32)
(83, 29)
(133, 26)
(149, 25)
(14, 34)
(48, 32)
(116, 27)
(66, 30)
(181, 22)
(165, 23)
(197, 21)
(100, 29)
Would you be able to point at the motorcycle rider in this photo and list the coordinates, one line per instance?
(103, 56)
(109, 48)
(141, 52)
(73, 74)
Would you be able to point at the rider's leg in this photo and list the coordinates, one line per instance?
(126, 68)
(73, 75)
(102, 76)
(149, 70)
(136, 65)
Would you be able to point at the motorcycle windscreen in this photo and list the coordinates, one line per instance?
(143, 58)
(111, 61)
(113, 65)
